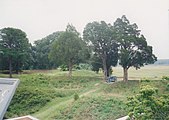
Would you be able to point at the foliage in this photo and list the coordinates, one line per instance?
(76, 96)
(99, 36)
(121, 90)
(133, 48)
(96, 63)
(165, 78)
(85, 66)
(27, 102)
(67, 49)
(54, 93)
(41, 50)
(14, 47)
(30, 59)
(148, 105)
(145, 80)
(37, 90)
(63, 67)
(94, 108)
(71, 28)
(167, 87)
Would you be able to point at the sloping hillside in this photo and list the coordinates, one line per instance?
(51, 95)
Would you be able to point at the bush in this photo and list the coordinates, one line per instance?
(64, 68)
(148, 105)
(85, 66)
(165, 78)
(145, 80)
(27, 101)
(168, 86)
(76, 67)
(76, 96)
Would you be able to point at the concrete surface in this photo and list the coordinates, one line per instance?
(28, 117)
(7, 90)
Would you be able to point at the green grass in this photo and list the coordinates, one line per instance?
(37, 90)
(91, 108)
(49, 95)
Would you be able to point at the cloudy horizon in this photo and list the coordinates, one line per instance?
(39, 18)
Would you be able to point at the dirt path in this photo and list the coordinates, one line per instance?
(48, 113)
(87, 93)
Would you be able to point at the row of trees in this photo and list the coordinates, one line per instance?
(122, 41)
(102, 45)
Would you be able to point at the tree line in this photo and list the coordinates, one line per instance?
(102, 45)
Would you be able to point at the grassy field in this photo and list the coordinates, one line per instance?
(150, 72)
(49, 95)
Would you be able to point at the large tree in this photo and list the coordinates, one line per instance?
(67, 49)
(133, 48)
(99, 36)
(14, 46)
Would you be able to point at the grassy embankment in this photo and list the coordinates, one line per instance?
(49, 95)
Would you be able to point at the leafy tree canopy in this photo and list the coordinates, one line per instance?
(99, 36)
(133, 48)
(41, 50)
(15, 46)
(68, 49)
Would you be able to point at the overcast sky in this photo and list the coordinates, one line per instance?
(39, 18)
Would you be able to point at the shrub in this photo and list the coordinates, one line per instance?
(165, 78)
(168, 86)
(64, 68)
(85, 66)
(76, 67)
(148, 105)
(145, 80)
(27, 101)
(76, 96)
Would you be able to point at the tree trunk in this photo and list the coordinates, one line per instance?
(125, 74)
(109, 71)
(17, 67)
(10, 67)
(104, 68)
(70, 69)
